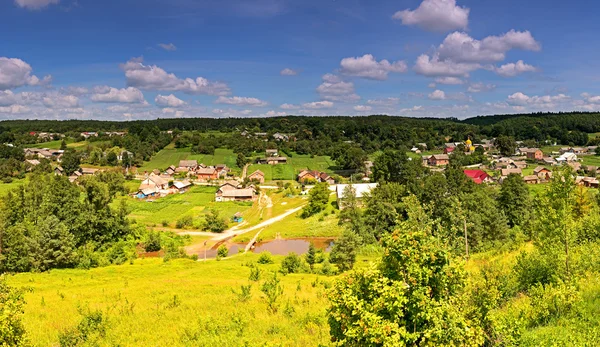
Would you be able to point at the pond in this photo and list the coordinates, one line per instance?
(278, 247)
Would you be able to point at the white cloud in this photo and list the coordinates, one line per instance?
(289, 107)
(14, 109)
(368, 67)
(479, 87)
(8, 98)
(437, 95)
(317, 105)
(168, 101)
(334, 88)
(461, 48)
(384, 101)
(288, 72)
(124, 95)
(16, 73)
(78, 91)
(592, 99)
(432, 85)
(274, 114)
(167, 46)
(35, 4)
(433, 66)
(436, 15)
(513, 69)
(449, 80)
(362, 108)
(61, 101)
(241, 101)
(520, 99)
(152, 77)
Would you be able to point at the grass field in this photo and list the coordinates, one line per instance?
(195, 203)
(177, 303)
(6, 187)
(590, 160)
(171, 156)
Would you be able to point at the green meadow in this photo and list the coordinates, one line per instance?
(171, 156)
(176, 303)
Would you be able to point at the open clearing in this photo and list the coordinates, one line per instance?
(180, 302)
(171, 156)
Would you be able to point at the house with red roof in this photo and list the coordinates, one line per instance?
(478, 176)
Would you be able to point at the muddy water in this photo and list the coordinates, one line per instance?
(277, 247)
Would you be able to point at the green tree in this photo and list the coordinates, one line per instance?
(53, 246)
(344, 251)
(241, 160)
(70, 161)
(413, 297)
(506, 145)
(152, 242)
(125, 159)
(514, 199)
(310, 256)
(214, 222)
(63, 145)
(111, 158)
(318, 197)
(12, 331)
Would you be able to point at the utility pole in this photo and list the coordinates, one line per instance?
(205, 250)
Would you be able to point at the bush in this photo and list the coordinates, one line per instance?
(165, 223)
(552, 302)
(12, 331)
(291, 264)
(214, 222)
(327, 269)
(265, 258)
(185, 221)
(152, 242)
(535, 268)
(222, 252)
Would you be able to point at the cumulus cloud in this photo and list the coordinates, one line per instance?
(362, 108)
(168, 101)
(125, 95)
(8, 98)
(514, 69)
(72, 90)
(14, 109)
(384, 101)
(368, 67)
(520, 99)
(61, 101)
(168, 46)
(289, 107)
(436, 15)
(449, 80)
(433, 66)
(437, 95)
(462, 48)
(35, 4)
(479, 87)
(241, 101)
(460, 54)
(334, 88)
(152, 77)
(273, 114)
(593, 99)
(288, 72)
(317, 105)
(16, 73)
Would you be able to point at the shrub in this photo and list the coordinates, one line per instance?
(272, 290)
(245, 293)
(327, 269)
(183, 222)
(222, 252)
(165, 223)
(254, 273)
(152, 242)
(214, 222)
(265, 258)
(535, 268)
(291, 264)
(552, 302)
(12, 332)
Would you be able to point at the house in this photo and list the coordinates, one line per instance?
(146, 192)
(86, 171)
(415, 150)
(205, 174)
(170, 171)
(548, 161)
(280, 137)
(245, 194)
(449, 150)
(182, 186)
(187, 164)
(360, 190)
(314, 176)
(368, 168)
(229, 185)
(566, 157)
(222, 170)
(531, 179)
(59, 171)
(438, 160)
(591, 182)
(478, 176)
(542, 173)
(579, 150)
(499, 165)
(32, 162)
(520, 164)
(272, 153)
(272, 160)
(258, 176)
(575, 165)
(506, 172)
(532, 153)
(156, 172)
(122, 154)
(154, 182)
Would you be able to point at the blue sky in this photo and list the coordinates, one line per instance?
(133, 59)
